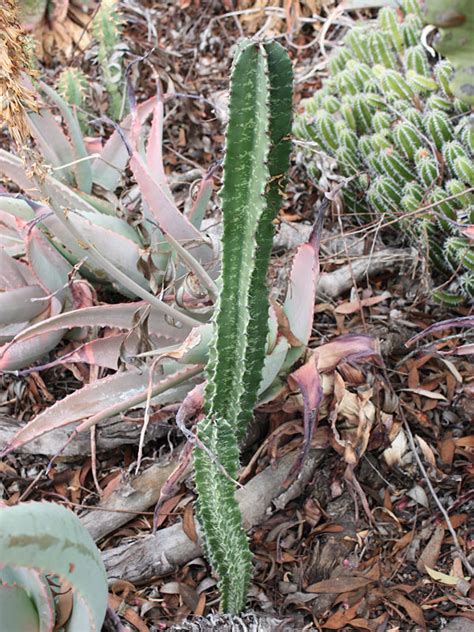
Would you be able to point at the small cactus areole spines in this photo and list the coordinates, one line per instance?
(415, 137)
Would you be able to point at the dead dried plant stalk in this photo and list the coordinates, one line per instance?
(15, 98)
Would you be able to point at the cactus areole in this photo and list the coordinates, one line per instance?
(255, 164)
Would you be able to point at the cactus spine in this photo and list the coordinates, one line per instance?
(399, 126)
(256, 160)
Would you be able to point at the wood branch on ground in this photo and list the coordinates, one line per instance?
(160, 554)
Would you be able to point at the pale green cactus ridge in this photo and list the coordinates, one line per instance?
(280, 75)
(380, 141)
(464, 169)
(446, 298)
(421, 84)
(467, 284)
(415, 59)
(381, 50)
(451, 151)
(413, 7)
(381, 121)
(437, 102)
(438, 127)
(407, 138)
(255, 164)
(390, 23)
(396, 104)
(395, 166)
(107, 29)
(443, 72)
(72, 86)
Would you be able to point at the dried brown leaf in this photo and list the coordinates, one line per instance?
(339, 585)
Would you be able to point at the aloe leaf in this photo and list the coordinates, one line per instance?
(301, 292)
(164, 211)
(16, 207)
(154, 151)
(12, 168)
(201, 201)
(54, 145)
(17, 611)
(107, 170)
(37, 588)
(90, 250)
(49, 267)
(120, 315)
(273, 364)
(193, 264)
(122, 391)
(13, 274)
(52, 540)
(17, 354)
(16, 305)
(82, 168)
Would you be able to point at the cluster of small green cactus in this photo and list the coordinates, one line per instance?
(107, 30)
(73, 83)
(401, 138)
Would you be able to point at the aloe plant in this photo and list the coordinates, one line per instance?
(45, 551)
(256, 160)
(401, 139)
(93, 234)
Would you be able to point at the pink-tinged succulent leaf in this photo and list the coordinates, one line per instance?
(37, 588)
(12, 207)
(52, 540)
(13, 274)
(17, 354)
(349, 348)
(164, 211)
(201, 201)
(100, 400)
(82, 169)
(18, 611)
(119, 316)
(50, 268)
(16, 306)
(307, 380)
(107, 171)
(273, 363)
(463, 321)
(304, 276)
(12, 168)
(104, 352)
(154, 152)
(461, 351)
(54, 145)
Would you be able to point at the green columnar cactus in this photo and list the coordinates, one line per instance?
(257, 155)
(72, 86)
(400, 136)
(106, 27)
(455, 19)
